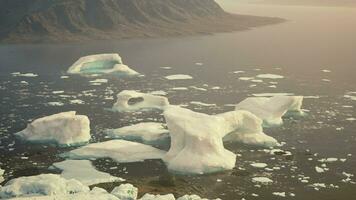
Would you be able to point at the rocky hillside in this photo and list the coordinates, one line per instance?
(77, 20)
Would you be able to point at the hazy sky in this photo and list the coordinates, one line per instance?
(299, 2)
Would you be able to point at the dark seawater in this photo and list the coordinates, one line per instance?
(314, 39)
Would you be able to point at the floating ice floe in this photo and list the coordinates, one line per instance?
(262, 180)
(125, 192)
(84, 171)
(192, 197)
(1, 175)
(129, 100)
(199, 136)
(101, 64)
(158, 197)
(326, 71)
(259, 165)
(280, 194)
(121, 151)
(65, 128)
(180, 88)
(179, 77)
(198, 103)
(271, 110)
(24, 75)
(147, 132)
(269, 76)
(44, 184)
(272, 94)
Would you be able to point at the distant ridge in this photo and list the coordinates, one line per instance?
(80, 20)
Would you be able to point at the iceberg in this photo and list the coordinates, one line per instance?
(84, 171)
(129, 100)
(44, 184)
(101, 64)
(95, 194)
(196, 136)
(147, 132)
(125, 192)
(271, 110)
(158, 197)
(64, 129)
(1, 175)
(121, 151)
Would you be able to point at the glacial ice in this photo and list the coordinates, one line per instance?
(101, 64)
(179, 77)
(271, 110)
(95, 194)
(44, 184)
(65, 129)
(125, 192)
(121, 151)
(129, 100)
(158, 197)
(1, 175)
(84, 171)
(147, 132)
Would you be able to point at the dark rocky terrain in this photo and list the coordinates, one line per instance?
(80, 20)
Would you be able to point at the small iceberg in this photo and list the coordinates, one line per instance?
(147, 132)
(179, 77)
(101, 64)
(125, 192)
(64, 129)
(40, 185)
(129, 100)
(271, 110)
(121, 151)
(1, 175)
(84, 172)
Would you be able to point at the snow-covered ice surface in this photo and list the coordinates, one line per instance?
(101, 64)
(271, 110)
(148, 132)
(121, 151)
(129, 100)
(65, 128)
(84, 171)
(44, 184)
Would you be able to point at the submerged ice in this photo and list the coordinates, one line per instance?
(272, 109)
(65, 128)
(101, 64)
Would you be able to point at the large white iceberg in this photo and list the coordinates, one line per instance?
(84, 171)
(1, 175)
(196, 142)
(121, 151)
(95, 194)
(129, 100)
(271, 110)
(148, 132)
(44, 184)
(125, 192)
(65, 128)
(199, 137)
(101, 64)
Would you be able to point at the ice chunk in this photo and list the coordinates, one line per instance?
(101, 64)
(146, 132)
(198, 103)
(95, 194)
(24, 75)
(1, 175)
(179, 77)
(84, 171)
(272, 94)
(125, 192)
(44, 184)
(158, 197)
(192, 197)
(262, 180)
(271, 110)
(65, 128)
(197, 137)
(280, 194)
(129, 100)
(119, 150)
(259, 165)
(270, 76)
